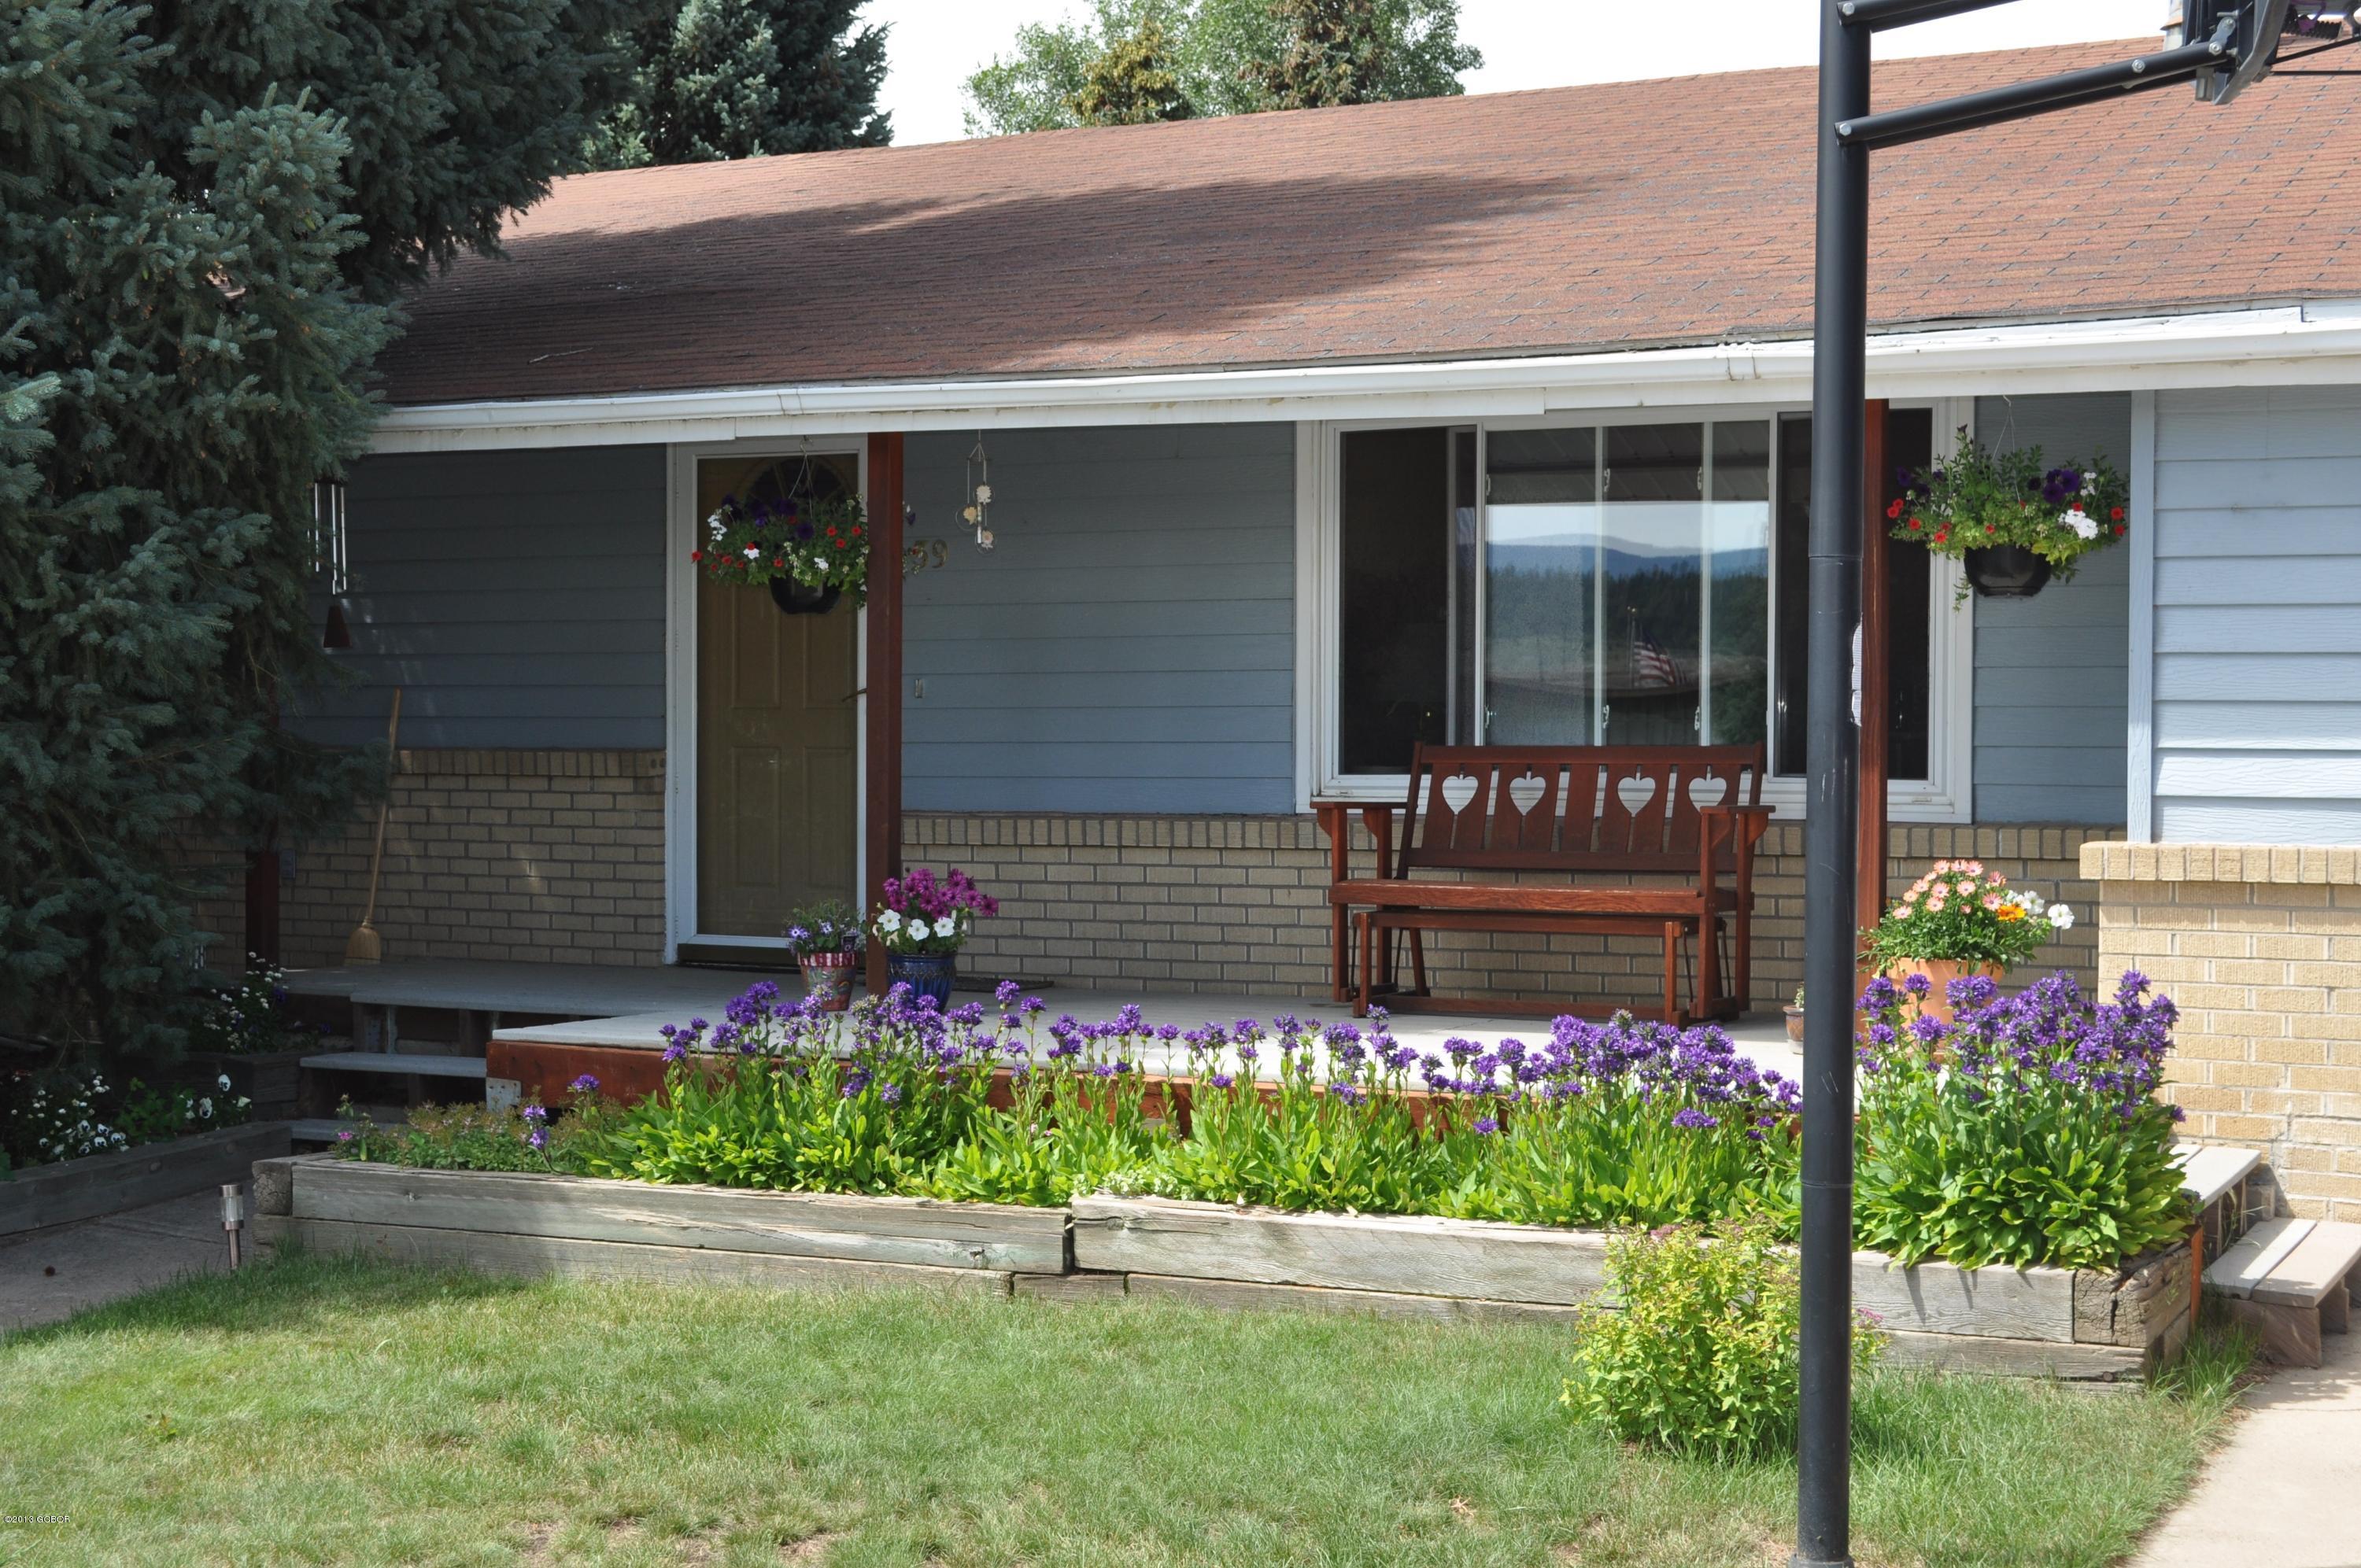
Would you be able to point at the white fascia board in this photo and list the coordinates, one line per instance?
(2284, 344)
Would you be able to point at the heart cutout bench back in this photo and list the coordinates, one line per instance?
(1609, 808)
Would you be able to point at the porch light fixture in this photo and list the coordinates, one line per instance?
(978, 494)
(2231, 44)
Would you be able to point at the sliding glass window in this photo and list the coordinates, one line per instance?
(1638, 583)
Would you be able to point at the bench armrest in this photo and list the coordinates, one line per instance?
(1335, 818)
(1744, 825)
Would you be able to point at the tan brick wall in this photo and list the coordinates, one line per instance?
(1238, 903)
(2260, 947)
(550, 857)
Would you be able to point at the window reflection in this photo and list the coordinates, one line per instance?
(1541, 566)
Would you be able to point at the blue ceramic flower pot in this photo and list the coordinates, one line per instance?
(927, 974)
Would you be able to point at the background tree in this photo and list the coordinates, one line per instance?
(458, 112)
(1133, 83)
(199, 230)
(1218, 49)
(1334, 53)
(180, 359)
(722, 79)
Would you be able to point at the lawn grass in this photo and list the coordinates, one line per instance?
(313, 1410)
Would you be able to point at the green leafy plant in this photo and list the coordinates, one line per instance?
(2025, 1131)
(1982, 497)
(1960, 913)
(475, 1138)
(1698, 1352)
(250, 1016)
(148, 1115)
(51, 1116)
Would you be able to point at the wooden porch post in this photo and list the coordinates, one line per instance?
(1876, 689)
(881, 769)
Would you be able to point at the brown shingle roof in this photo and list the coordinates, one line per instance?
(1570, 219)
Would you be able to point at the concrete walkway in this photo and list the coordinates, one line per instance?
(2286, 1490)
(54, 1273)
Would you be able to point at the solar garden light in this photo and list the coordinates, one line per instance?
(2233, 42)
(233, 1213)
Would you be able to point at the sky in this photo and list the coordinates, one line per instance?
(1526, 43)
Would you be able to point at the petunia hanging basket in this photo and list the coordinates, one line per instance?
(2013, 521)
(2005, 571)
(809, 553)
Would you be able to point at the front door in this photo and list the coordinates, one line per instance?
(777, 725)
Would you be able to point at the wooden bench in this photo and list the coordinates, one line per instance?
(2292, 1281)
(1610, 828)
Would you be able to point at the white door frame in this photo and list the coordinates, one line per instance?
(680, 684)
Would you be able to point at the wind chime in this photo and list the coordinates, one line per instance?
(978, 494)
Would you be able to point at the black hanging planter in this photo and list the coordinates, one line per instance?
(2006, 571)
(793, 598)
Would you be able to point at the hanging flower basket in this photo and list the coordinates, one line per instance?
(2005, 571)
(2013, 521)
(809, 553)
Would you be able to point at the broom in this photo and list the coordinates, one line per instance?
(365, 946)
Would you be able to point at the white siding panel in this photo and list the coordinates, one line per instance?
(516, 597)
(1127, 645)
(2052, 671)
(2257, 715)
(2260, 725)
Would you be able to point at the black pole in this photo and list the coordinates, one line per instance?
(1832, 751)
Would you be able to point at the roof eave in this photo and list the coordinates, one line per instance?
(2227, 343)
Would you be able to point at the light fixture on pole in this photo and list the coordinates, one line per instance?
(233, 1213)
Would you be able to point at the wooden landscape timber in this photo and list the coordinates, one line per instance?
(2081, 1325)
(43, 1195)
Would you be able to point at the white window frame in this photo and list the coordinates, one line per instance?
(680, 684)
(1945, 796)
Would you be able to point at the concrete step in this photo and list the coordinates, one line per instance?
(2292, 1281)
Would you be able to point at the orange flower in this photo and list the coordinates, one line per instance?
(2008, 912)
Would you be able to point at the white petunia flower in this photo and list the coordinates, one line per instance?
(752, 553)
(920, 931)
(2062, 917)
(888, 921)
(2079, 521)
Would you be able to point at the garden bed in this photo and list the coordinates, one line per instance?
(43, 1195)
(533, 1223)
(2079, 1324)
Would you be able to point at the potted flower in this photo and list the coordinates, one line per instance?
(1794, 1012)
(1956, 921)
(826, 939)
(922, 924)
(2012, 520)
(808, 553)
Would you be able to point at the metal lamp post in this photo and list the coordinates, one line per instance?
(2236, 41)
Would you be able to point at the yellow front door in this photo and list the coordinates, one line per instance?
(777, 725)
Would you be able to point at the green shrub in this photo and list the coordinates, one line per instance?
(2026, 1133)
(1699, 1355)
(472, 1138)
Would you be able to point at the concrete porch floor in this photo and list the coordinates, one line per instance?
(613, 1006)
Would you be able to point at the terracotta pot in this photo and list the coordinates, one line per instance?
(1940, 974)
(1795, 1024)
(829, 976)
